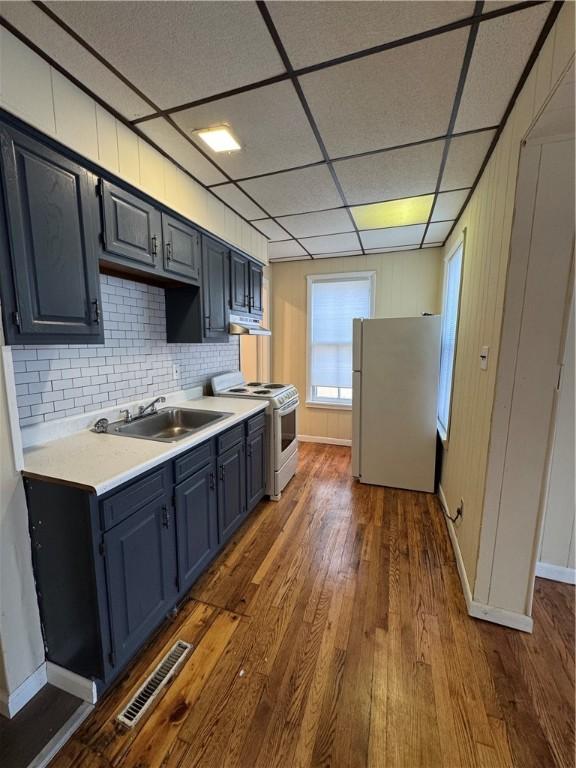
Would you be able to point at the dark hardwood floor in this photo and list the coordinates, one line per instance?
(333, 632)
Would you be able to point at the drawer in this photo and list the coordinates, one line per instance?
(256, 423)
(190, 462)
(133, 497)
(230, 438)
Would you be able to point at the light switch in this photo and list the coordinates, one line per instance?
(484, 358)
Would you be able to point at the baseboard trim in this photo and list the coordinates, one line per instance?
(78, 686)
(556, 573)
(11, 704)
(478, 610)
(325, 440)
(61, 736)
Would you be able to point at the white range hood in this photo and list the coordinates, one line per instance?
(246, 326)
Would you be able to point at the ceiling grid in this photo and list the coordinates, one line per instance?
(364, 127)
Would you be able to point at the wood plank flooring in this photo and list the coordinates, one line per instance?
(332, 632)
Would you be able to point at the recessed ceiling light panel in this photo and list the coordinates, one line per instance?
(219, 139)
(393, 213)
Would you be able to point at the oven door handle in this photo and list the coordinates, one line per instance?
(291, 406)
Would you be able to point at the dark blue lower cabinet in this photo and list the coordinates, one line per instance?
(141, 576)
(196, 524)
(231, 490)
(255, 468)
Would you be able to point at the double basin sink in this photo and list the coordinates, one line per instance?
(167, 424)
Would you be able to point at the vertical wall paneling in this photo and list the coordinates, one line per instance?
(488, 223)
(41, 96)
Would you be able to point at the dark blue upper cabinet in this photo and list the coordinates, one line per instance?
(215, 259)
(239, 283)
(182, 248)
(132, 231)
(256, 277)
(49, 246)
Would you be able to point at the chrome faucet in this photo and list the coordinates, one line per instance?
(151, 406)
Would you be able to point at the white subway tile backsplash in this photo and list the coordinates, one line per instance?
(134, 362)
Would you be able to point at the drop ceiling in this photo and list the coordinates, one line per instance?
(335, 104)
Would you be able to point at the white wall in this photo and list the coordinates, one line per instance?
(557, 547)
(21, 646)
(35, 92)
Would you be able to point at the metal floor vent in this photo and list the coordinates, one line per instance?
(148, 692)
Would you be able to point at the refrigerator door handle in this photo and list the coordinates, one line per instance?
(356, 423)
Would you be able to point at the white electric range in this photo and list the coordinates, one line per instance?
(281, 424)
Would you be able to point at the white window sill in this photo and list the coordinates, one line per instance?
(327, 404)
(443, 437)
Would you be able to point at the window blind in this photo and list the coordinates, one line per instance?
(333, 306)
(448, 339)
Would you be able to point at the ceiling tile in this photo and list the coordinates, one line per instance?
(286, 249)
(177, 51)
(291, 258)
(391, 98)
(269, 123)
(308, 189)
(465, 157)
(503, 46)
(448, 205)
(393, 236)
(269, 228)
(393, 213)
(331, 243)
(337, 254)
(168, 138)
(438, 232)
(390, 175)
(314, 32)
(58, 44)
(239, 201)
(322, 223)
(496, 5)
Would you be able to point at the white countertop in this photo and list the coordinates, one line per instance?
(100, 462)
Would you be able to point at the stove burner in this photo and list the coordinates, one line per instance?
(275, 386)
(261, 391)
(239, 389)
(254, 384)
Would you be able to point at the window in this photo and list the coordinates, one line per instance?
(450, 311)
(333, 302)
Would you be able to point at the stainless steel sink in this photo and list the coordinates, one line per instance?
(167, 425)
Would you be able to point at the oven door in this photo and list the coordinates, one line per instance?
(285, 432)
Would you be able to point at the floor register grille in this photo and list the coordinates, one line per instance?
(159, 678)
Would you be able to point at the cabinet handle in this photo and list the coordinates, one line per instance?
(246, 300)
(154, 246)
(168, 251)
(165, 516)
(222, 472)
(96, 306)
(212, 481)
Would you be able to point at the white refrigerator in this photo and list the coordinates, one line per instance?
(396, 364)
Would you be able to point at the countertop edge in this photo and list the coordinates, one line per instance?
(175, 450)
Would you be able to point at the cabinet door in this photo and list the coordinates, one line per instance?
(255, 468)
(255, 288)
(240, 285)
(196, 524)
(181, 248)
(132, 227)
(140, 557)
(51, 223)
(231, 491)
(215, 290)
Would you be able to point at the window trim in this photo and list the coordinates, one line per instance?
(312, 402)
(460, 244)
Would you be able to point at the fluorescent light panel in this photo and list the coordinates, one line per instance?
(219, 139)
(394, 213)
